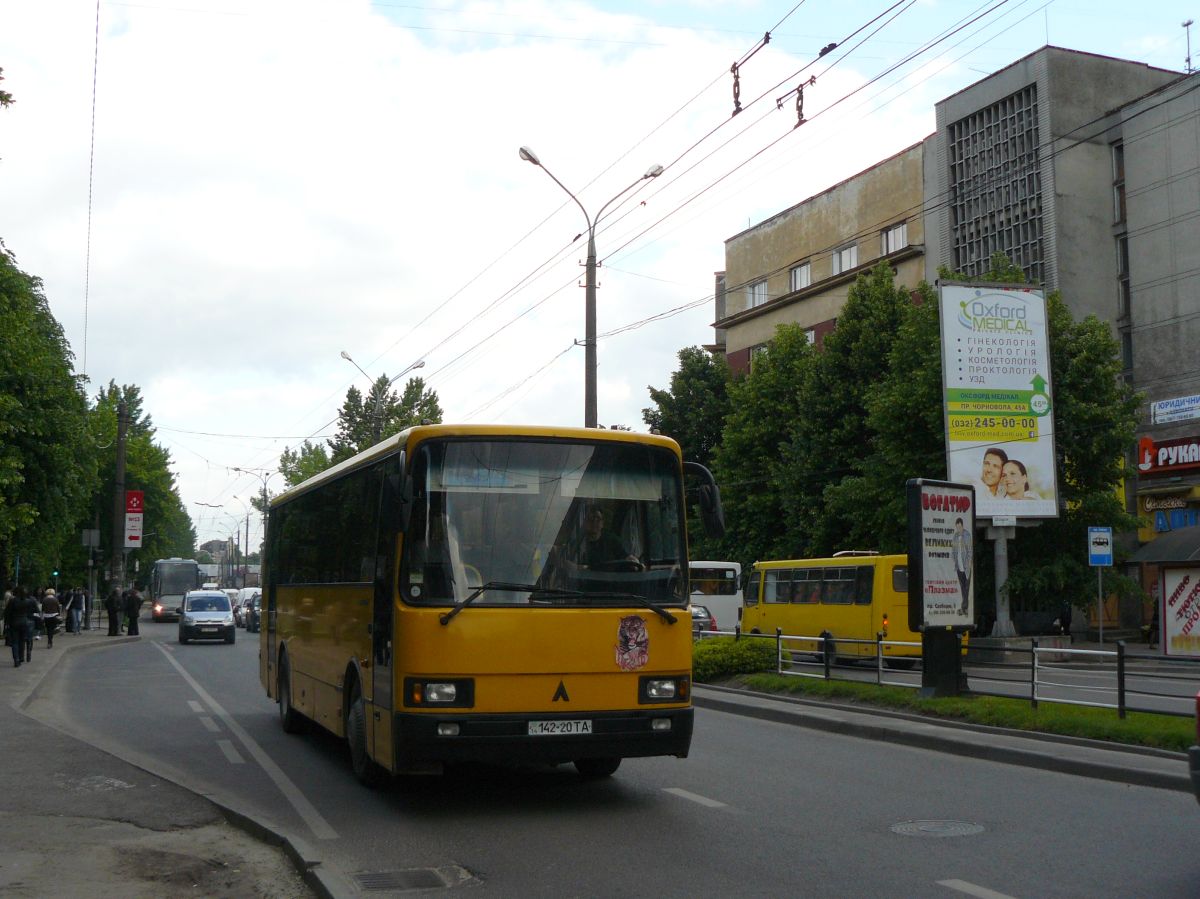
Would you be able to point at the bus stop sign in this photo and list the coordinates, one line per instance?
(1100, 553)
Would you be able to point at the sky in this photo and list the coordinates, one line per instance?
(222, 196)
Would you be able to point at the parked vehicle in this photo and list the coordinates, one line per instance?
(717, 585)
(206, 615)
(702, 620)
(1194, 754)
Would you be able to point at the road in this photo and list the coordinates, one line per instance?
(759, 809)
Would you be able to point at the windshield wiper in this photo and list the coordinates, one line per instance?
(447, 617)
(639, 601)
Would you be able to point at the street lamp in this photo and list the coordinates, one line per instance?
(420, 363)
(263, 476)
(589, 315)
(246, 551)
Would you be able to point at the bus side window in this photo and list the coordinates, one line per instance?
(807, 583)
(864, 589)
(900, 578)
(750, 593)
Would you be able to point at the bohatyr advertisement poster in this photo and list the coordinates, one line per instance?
(941, 554)
(997, 398)
(1181, 611)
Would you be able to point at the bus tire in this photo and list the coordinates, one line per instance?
(290, 720)
(594, 769)
(901, 664)
(368, 773)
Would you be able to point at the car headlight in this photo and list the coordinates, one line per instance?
(189, 620)
(228, 619)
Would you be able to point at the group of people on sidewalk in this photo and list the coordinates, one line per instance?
(28, 614)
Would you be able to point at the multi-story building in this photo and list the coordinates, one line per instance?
(1085, 171)
(798, 265)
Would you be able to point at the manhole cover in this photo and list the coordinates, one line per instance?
(412, 879)
(937, 828)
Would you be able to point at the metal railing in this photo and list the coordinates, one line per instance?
(1102, 675)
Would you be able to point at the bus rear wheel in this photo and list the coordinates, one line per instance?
(901, 664)
(290, 720)
(368, 773)
(593, 769)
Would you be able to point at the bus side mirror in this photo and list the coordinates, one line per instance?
(711, 512)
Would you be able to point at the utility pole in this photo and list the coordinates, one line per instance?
(117, 561)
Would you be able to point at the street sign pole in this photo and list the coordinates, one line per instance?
(1100, 556)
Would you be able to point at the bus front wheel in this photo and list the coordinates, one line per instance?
(596, 768)
(291, 720)
(367, 772)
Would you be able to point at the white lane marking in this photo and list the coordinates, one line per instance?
(212, 726)
(305, 809)
(694, 797)
(195, 706)
(231, 753)
(972, 889)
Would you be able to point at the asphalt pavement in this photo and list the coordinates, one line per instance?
(58, 794)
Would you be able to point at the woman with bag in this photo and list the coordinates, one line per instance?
(51, 612)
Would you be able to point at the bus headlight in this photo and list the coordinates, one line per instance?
(457, 693)
(663, 689)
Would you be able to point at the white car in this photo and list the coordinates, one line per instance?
(206, 615)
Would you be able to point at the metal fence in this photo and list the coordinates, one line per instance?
(1102, 678)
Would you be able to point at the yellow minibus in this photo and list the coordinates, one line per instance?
(853, 595)
(487, 593)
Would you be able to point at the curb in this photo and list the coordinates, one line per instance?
(933, 736)
(325, 883)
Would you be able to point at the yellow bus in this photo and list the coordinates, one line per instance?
(483, 593)
(852, 596)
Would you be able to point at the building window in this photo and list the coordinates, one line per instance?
(1118, 159)
(811, 335)
(894, 238)
(1123, 276)
(845, 258)
(756, 294)
(801, 276)
(756, 352)
(1126, 350)
(995, 201)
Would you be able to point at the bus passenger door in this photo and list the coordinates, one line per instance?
(382, 620)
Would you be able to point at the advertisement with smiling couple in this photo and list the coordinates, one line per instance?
(997, 398)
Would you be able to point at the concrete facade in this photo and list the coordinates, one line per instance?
(758, 291)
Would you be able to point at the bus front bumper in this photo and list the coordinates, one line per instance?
(508, 737)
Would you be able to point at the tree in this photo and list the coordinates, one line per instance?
(300, 465)
(747, 463)
(365, 420)
(692, 410)
(6, 99)
(47, 462)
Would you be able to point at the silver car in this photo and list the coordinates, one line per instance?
(206, 615)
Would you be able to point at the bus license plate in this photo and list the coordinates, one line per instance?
(549, 728)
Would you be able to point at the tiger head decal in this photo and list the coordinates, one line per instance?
(633, 643)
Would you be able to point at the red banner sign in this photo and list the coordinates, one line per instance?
(134, 501)
(1159, 456)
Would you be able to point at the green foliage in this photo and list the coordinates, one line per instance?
(748, 462)
(692, 412)
(1137, 728)
(300, 465)
(47, 463)
(169, 528)
(365, 420)
(720, 657)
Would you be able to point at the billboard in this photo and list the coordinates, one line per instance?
(1181, 611)
(997, 398)
(941, 554)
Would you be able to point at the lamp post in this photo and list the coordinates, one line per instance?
(246, 551)
(420, 363)
(589, 314)
(263, 476)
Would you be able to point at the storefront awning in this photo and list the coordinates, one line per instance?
(1182, 545)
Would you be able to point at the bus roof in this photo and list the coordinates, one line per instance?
(409, 438)
(833, 561)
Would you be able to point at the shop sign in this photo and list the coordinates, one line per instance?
(1164, 456)
(1176, 519)
(1181, 408)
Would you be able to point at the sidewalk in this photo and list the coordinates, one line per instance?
(76, 821)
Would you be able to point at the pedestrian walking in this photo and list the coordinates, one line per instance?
(133, 608)
(51, 613)
(112, 605)
(70, 601)
(19, 616)
(87, 608)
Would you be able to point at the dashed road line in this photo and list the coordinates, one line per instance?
(195, 706)
(303, 807)
(694, 797)
(231, 752)
(972, 889)
(212, 726)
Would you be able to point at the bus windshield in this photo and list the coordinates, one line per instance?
(175, 577)
(569, 523)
